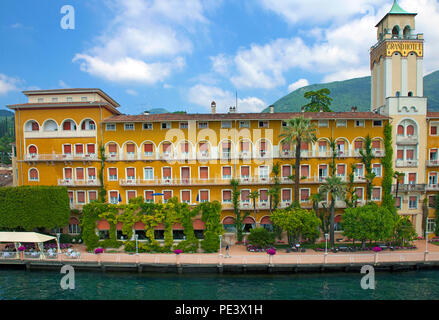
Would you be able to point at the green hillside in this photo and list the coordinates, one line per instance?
(353, 92)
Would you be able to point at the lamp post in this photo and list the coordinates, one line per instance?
(136, 237)
(58, 235)
(220, 238)
(326, 243)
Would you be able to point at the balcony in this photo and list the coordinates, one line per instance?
(406, 163)
(79, 183)
(432, 187)
(407, 140)
(432, 163)
(378, 153)
(61, 157)
(60, 134)
(409, 188)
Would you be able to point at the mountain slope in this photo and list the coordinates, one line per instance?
(353, 92)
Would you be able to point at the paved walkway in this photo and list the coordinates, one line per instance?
(240, 256)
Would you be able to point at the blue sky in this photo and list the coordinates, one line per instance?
(181, 55)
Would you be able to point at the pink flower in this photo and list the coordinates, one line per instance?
(178, 251)
(22, 248)
(99, 250)
(271, 252)
(377, 249)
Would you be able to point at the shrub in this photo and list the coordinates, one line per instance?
(261, 237)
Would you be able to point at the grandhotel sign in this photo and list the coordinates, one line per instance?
(388, 48)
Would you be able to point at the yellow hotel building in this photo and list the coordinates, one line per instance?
(194, 156)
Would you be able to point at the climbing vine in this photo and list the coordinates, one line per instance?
(102, 190)
(386, 161)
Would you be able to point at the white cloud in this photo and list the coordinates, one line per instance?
(131, 92)
(8, 84)
(62, 84)
(145, 41)
(337, 50)
(221, 64)
(298, 84)
(203, 95)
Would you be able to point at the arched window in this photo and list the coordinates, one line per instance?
(410, 130)
(33, 150)
(88, 124)
(410, 94)
(33, 174)
(395, 32)
(50, 125)
(69, 125)
(31, 126)
(407, 32)
(400, 130)
(398, 93)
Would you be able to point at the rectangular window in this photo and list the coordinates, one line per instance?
(304, 195)
(263, 195)
(286, 171)
(226, 124)
(149, 196)
(341, 124)
(131, 173)
(263, 172)
(148, 149)
(54, 99)
(91, 148)
(204, 196)
(112, 174)
(376, 168)
(79, 149)
(359, 193)
(129, 126)
(341, 170)
(110, 127)
(376, 194)
(147, 126)
(227, 196)
(80, 196)
(263, 124)
(304, 171)
(167, 173)
(131, 194)
(412, 178)
(359, 172)
(244, 124)
(413, 202)
(245, 196)
(204, 173)
(91, 173)
(323, 123)
(149, 174)
(433, 130)
(398, 202)
(67, 149)
(359, 123)
(377, 123)
(286, 195)
(227, 173)
(322, 146)
(184, 125)
(92, 196)
(84, 99)
(166, 125)
(431, 225)
(186, 196)
(433, 155)
(68, 173)
(131, 148)
(69, 99)
(114, 197)
(40, 100)
(79, 173)
(431, 201)
(245, 172)
(167, 196)
(203, 125)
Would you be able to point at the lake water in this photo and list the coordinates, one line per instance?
(19, 284)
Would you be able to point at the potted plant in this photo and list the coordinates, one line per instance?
(271, 252)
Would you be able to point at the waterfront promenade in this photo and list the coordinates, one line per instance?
(240, 261)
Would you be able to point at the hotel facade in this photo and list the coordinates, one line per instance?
(193, 157)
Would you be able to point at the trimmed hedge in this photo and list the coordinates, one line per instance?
(29, 207)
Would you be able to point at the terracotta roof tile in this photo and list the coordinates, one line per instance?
(243, 116)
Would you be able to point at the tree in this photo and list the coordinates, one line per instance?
(436, 207)
(336, 188)
(351, 201)
(387, 162)
(275, 190)
(319, 100)
(254, 195)
(238, 217)
(298, 130)
(368, 223)
(316, 198)
(261, 237)
(404, 231)
(367, 157)
(298, 223)
(398, 176)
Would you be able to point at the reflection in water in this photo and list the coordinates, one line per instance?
(17, 284)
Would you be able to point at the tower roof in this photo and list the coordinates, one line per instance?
(396, 9)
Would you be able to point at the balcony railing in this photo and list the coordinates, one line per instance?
(409, 188)
(61, 157)
(79, 183)
(407, 140)
(432, 163)
(432, 187)
(406, 163)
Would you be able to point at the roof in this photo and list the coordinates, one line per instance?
(243, 116)
(24, 237)
(73, 90)
(433, 114)
(63, 105)
(395, 10)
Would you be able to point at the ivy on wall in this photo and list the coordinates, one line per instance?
(386, 161)
(31, 207)
(151, 215)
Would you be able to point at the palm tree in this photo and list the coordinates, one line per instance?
(298, 130)
(254, 195)
(336, 188)
(316, 198)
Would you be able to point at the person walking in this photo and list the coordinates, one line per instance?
(227, 252)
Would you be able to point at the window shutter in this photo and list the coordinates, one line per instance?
(186, 196)
(359, 193)
(263, 145)
(130, 172)
(358, 144)
(376, 193)
(33, 174)
(341, 169)
(286, 171)
(130, 147)
(245, 171)
(35, 126)
(412, 177)
(286, 195)
(226, 146)
(227, 171)
(203, 146)
(113, 194)
(400, 154)
(67, 125)
(286, 146)
(410, 154)
(304, 194)
(204, 173)
(410, 130)
(91, 172)
(304, 171)
(185, 173)
(112, 171)
(398, 202)
(131, 194)
(204, 195)
(68, 173)
(322, 143)
(92, 196)
(185, 147)
(90, 148)
(33, 150)
(71, 196)
(227, 195)
(263, 195)
(433, 130)
(148, 147)
(167, 172)
(149, 195)
(167, 195)
(81, 197)
(79, 148)
(376, 144)
(67, 149)
(400, 130)
(304, 146)
(166, 147)
(112, 148)
(245, 195)
(79, 173)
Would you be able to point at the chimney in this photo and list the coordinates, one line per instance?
(232, 110)
(146, 113)
(213, 107)
(302, 109)
(271, 109)
(354, 109)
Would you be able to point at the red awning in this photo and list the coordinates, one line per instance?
(266, 220)
(119, 226)
(229, 220)
(103, 225)
(177, 226)
(199, 224)
(161, 226)
(139, 226)
(337, 219)
(248, 220)
(73, 220)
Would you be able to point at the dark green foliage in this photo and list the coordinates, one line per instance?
(102, 190)
(353, 92)
(388, 200)
(34, 207)
(320, 100)
(211, 216)
(239, 218)
(436, 206)
(261, 237)
(367, 157)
